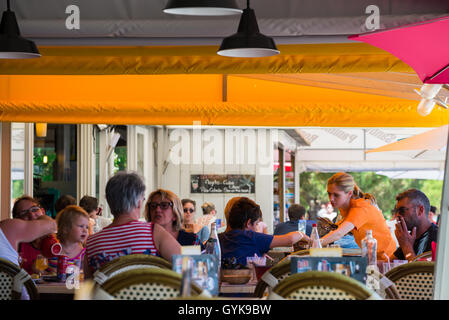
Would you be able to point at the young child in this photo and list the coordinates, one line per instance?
(73, 226)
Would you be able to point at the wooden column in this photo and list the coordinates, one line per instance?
(5, 181)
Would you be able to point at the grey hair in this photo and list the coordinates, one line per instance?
(123, 192)
(416, 197)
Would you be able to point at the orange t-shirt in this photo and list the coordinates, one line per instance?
(364, 216)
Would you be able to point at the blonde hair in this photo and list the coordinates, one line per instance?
(227, 209)
(66, 218)
(177, 206)
(346, 183)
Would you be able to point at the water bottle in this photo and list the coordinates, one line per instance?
(369, 248)
(213, 245)
(315, 237)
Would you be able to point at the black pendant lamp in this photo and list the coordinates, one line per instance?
(12, 45)
(202, 7)
(248, 42)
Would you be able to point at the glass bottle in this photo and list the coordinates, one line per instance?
(369, 248)
(316, 243)
(213, 245)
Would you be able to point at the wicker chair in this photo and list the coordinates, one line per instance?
(321, 285)
(12, 279)
(277, 273)
(129, 262)
(425, 255)
(414, 280)
(142, 284)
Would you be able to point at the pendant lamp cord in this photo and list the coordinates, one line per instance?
(8, 5)
(247, 4)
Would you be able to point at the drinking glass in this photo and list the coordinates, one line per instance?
(302, 226)
(40, 264)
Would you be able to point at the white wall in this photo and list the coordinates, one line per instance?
(221, 151)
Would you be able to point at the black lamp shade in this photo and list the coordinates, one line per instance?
(12, 45)
(202, 7)
(248, 42)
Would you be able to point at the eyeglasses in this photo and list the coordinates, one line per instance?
(189, 210)
(33, 209)
(163, 205)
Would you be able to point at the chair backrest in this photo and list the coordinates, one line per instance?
(321, 285)
(129, 262)
(144, 284)
(277, 273)
(425, 255)
(12, 279)
(272, 277)
(414, 280)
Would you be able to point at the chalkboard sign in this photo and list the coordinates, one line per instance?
(229, 183)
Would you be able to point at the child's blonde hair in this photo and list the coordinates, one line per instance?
(346, 183)
(66, 218)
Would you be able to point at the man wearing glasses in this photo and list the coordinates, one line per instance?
(414, 230)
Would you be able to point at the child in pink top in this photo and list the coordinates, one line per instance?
(73, 229)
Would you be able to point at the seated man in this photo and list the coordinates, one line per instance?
(412, 212)
(243, 241)
(296, 212)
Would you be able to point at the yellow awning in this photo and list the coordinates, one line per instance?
(183, 99)
(104, 60)
(183, 84)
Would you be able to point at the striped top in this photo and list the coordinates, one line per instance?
(135, 237)
(75, 261)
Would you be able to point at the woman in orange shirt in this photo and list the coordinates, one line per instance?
(359, 212)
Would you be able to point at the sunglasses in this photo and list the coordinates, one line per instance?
(163, 205)
(189, 210)
(401, 210)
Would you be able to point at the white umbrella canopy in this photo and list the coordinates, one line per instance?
(427, 145)
(435, 139)
(414, 174)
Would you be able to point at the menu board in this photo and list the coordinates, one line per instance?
(228, 183)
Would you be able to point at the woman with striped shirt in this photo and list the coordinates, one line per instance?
(126, 234)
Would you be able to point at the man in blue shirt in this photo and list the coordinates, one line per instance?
(243, 241)
(296, 212)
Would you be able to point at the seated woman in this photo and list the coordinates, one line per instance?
(125, 194)
(165, 209)
(28, 209)
(189, 225)
(15, 231)
(360, 213)
(242, 241)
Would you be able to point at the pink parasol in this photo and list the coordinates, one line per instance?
(423, 46)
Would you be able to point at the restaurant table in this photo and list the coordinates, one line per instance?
(54, 291)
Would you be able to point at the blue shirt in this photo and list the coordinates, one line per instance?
(244, 243)
(289, 226)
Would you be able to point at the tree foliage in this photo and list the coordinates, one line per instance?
(313, 186)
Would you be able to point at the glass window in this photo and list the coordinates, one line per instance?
(55, 165)
(17, 160)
